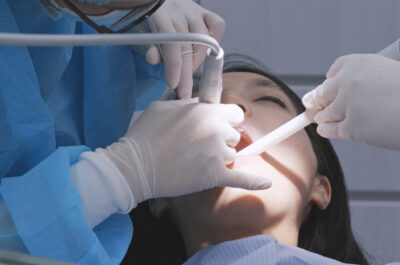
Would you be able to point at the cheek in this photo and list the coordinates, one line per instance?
(267, 116)
(297, 155)
(287, 190)
(291, 165)
(293, 156)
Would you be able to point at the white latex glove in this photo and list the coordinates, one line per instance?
(359, 100)
(182, 60)
(179, 147)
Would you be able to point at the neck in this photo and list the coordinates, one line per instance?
(196, 238)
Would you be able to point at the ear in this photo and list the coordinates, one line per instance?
(158, 206)
(321, 192)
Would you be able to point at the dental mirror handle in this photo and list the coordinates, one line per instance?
(210, 87)
(392, 51)
(279, 134)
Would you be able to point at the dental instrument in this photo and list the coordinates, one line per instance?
(211, 80)
(279, 134)
(210, 87)
(392, 51)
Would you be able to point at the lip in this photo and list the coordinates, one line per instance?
(245, 140)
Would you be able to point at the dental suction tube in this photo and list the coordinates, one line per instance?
(392, 51)
(210, 83)
(279, 134)
(47, 40)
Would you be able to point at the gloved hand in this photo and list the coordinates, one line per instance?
(182, 60)
(180, 147)
(359, 100)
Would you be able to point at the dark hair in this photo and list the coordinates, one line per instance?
(327, 232)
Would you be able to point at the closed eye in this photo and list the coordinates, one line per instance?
(273, 99)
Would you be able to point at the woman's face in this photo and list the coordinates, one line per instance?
(227, 213)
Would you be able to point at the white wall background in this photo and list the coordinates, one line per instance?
(299, 40)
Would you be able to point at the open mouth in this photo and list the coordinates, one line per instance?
(245, 140)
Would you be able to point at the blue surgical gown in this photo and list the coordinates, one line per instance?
(258, 250)
(54, 104)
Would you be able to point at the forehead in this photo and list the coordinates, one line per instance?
(247, 81)
(242, 76)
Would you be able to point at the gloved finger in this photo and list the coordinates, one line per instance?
(244, 180)
(308, 99)
(322, 95)
(229, 154)
(172, 64)
(190, 100)
(231, 113)
(199, 51)
(181, 102)
(171, 55)
(335, 112)
(169, 105)
(336, 66)
(215, 25)
(185, 85)
(153, 55)
(230, 135)
(329, 130)
(223, 153)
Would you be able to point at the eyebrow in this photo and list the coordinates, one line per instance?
(261, 82)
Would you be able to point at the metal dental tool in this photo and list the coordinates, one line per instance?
(211, 80)
(210, 88)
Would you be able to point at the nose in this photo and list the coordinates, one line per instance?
(231, 98)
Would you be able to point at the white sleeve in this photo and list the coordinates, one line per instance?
(102, 187)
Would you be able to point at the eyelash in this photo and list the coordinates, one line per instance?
(273, 99)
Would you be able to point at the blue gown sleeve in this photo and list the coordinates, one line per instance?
(52, 97)
(49, 218)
